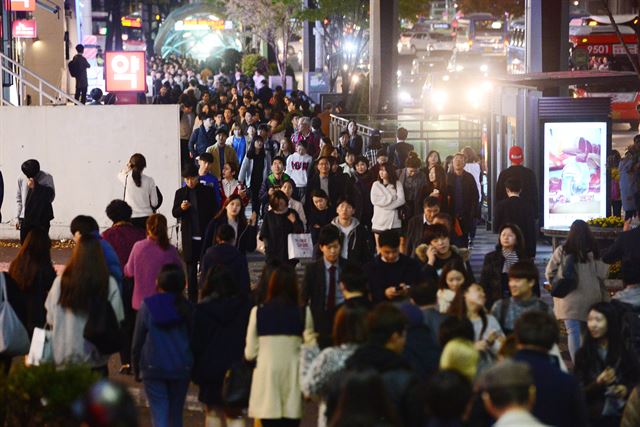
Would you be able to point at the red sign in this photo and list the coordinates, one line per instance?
(23, 5)
(125, 71)
(24, 29)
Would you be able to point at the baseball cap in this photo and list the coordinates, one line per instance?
(515, 155)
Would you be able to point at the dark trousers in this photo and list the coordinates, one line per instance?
(129, 321)
(140, 222)
(616, 207)
(629, 214)
(192, 270)
(81, 94)
(184, 152)
(166, 400)
(280, 422)
(25, 229)
(255, 199)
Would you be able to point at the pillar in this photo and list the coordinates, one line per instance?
(383, 55)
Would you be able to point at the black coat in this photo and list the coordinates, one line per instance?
(38, 211)
(275, 231)
(470, 196)
(219, 330)
(625, 249)
(314, 294)
(336, 189)
(28, 304)
(207, 208)
(361, 245)
(245, 240)
(528, 183)
(80, 64)
(383, 275)
(518, 211)
(229, 257)
(415, 233)
(492, 278)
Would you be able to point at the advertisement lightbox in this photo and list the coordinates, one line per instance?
(125, 71)
(575, 175)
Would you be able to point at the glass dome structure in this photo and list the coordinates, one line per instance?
(198, 30)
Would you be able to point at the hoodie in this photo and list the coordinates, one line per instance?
(357, 245)
(161, 348)
(229, 256)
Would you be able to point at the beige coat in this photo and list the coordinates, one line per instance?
(275, 388)
(230, 156)
(575, 305)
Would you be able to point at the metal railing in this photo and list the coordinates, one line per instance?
(447, 134)
(25, 78)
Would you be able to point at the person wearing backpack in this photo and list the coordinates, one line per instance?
(86, 276)
(589, 272)
(78, 70)
(161, 351)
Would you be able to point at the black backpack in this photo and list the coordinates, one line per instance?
(72, 68)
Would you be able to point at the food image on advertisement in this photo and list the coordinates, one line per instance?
(574, 173)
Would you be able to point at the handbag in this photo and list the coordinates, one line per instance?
(14, 339)
(565, 281)
(102, 328)
(300, 246)
(236, 386)
(41, 350)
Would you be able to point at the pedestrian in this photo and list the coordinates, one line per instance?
(278, 223)
(187, 120)
(204, 161)
(274, 337)
(613, 164)
(448, 396)
(422, 353)
(147, 258)
(387, 195)
(527, 178)
(140, 190)
(274, 181)
(30, 169)
(232, 213)
(323, 179)
(418, 224)
(464, 199)
(559, 399)
(516, 210)
(222, 153)
(254, 171)
(225, 253)
(589, 273)
(401, 150)
(356, 143)
(495, 267)
(294, 204)
(321, 368)
(220, 322)
(437, 251)
(424, 296)
(357, 245)
(354, 287)
(298, 168)
(78, 69)
(391, 274)
(38, 211)
(85, 278)
(624, 249)
(433, 158)
(488, 335)
(629, 182)
(230, 185)
(412, 180)
(436, 186)
(194, 206)
(202, 137)
(239, 142)
(363, 182)
(122, 235)
(164, 323)
(453, 282)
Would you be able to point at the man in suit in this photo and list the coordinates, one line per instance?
(321, 283)
(417, 224)
(517, 210)
(464, 198)
(194, 205)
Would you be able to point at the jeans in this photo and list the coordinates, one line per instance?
(574, 335)
(166, 401)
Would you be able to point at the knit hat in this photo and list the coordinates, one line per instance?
(515, 155)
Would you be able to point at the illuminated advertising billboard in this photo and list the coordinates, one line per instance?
(575, 176)
(24, 29)
(125, 71)
(23, 5)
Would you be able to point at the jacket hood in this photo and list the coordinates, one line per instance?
(224, 311)
(463, 252)
(162, 309)
(354, 224)
(223, 254)
(421, 253)
(371, 356)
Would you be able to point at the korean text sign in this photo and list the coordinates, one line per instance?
(125, 71)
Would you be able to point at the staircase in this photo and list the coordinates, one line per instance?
(24, 79)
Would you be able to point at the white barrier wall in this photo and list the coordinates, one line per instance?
(84, 148)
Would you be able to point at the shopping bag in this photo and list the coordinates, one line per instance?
(300, 246)
(41, 350)
(14, 339)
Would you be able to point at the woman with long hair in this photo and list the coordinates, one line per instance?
(454, 281)
(435, 186)
(606, 367)
(580, 250)
(387, 195)
(433, 158)
(274, 337)
(140, 190)
(219, 325)
(85, 277)
(495, 267)
(232, 213)
(147, 258)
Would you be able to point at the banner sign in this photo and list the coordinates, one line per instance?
(24, 29)
(125, 71)
(23, 5)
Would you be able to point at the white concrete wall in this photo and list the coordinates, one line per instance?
(84, 148)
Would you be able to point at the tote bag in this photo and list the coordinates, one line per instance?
(300, 246)
(14, 339)
(41, 350)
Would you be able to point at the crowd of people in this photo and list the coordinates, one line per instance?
(389, 324)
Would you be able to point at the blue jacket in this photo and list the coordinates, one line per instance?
(200, 140)
(113, 262)
(161, 348)
(240, 145)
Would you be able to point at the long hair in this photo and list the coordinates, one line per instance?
(441, 177)
(349, 326)
(520, 248)
(283, 285)
(222, 213)
(157, 230)
(85, 276)
(429, 155)
(138, 163)
(220, 283)
(614, 337)
(34, 255)
(469, 154)
(457, 305)
(171, 279)
(391, 173)
(580, 242)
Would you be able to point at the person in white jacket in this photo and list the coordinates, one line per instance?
(387, 195)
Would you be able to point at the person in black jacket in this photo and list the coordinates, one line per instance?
(232, 213)
(194, 205)
(357, 244)
(517, 210)
(278, 223)
(38, 211)
(625, 249)
(320, 286)
(464, 198)
(220, 323)
(419, 223)
(225, 253)
(387, 335)
(391, 273)
(79, 65)
(324, 180)
(526, 177)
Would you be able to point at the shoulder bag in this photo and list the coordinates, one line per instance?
(14, 339)
(566, 280)
(102, 328)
